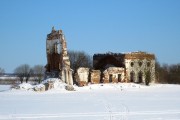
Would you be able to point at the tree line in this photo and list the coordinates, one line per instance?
(168, 73)
(25, 72)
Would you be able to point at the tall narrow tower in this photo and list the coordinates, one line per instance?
(58, 63)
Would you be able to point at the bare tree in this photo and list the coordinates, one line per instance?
(2, 71)
(163, 73)
(79, 59)
(168, 73)
(38, 71)
(23, 72)
(174, 74)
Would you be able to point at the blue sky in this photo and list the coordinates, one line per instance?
(93, 26)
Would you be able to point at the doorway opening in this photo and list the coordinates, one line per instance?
(110, 78)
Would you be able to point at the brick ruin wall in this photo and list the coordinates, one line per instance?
(108, 67)
(137, 63)
(58, 63)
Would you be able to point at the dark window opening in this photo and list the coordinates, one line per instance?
(140, 64)
(132, 76)
(148, 64)
(110, 78)
(132, 64)
(140, 77)
(119, 77)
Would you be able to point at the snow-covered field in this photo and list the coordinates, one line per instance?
(4, 87)
(125, 101)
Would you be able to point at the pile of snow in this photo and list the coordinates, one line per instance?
(39, 86)
(25, 86)
(50, 80)
(58, 85)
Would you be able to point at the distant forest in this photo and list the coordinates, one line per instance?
(168, 73)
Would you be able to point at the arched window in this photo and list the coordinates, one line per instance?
(148, 64)
(132, 74)
(140, 63)
(132, 64)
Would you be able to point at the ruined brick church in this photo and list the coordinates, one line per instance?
(137, 67)
(58, 63)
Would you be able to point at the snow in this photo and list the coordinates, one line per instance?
(4, 87)
(57, 83)
(121, 101)
(25, 86)
(59, 86)
(39, 86)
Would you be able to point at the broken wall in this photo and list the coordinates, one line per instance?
(114, 74)
(138, 64)
(95, 76)
(82, 76)
(58, 63)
